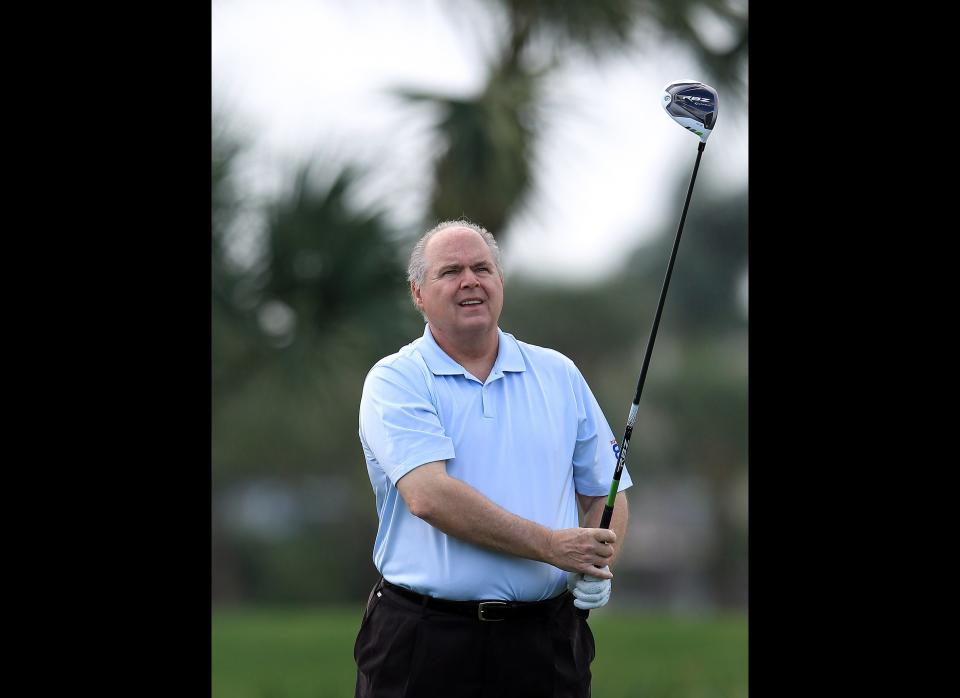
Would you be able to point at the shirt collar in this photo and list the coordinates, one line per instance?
(509, 357)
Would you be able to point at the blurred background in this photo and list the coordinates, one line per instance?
(341, 131)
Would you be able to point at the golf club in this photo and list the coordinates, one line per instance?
(693, 105)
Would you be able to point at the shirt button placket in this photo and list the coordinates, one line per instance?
(488, 406)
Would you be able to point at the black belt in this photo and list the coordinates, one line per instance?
(483, 610)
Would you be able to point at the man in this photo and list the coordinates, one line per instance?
(479, 448)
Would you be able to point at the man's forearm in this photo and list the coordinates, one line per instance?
(462, 511)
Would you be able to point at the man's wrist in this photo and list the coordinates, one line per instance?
(547, 546)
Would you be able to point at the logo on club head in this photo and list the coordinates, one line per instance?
(693, 98)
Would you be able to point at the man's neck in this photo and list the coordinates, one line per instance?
(476, 353)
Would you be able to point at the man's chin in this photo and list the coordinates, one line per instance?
(480, 323)
(476, 324)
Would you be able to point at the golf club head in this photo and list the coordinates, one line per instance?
(693, 105)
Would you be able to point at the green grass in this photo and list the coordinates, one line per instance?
(642, 655)
(309, 654)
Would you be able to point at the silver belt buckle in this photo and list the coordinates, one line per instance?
(489, 603)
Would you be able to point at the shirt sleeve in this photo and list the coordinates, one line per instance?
(399, 422)
(595, 453)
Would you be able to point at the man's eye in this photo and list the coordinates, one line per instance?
(447, 272)
(482, 268)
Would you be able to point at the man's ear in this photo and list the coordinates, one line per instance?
(415, 292)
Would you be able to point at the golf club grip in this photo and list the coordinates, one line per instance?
(607, 515)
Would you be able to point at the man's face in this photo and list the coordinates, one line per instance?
(462, 292)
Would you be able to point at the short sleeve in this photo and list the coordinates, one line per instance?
(399, 423)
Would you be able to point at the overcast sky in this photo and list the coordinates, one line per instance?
(311, 80)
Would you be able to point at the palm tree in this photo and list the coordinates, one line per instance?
(485, 170)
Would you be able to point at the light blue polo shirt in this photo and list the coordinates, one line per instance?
(529, 438)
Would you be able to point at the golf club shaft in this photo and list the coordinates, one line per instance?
(632, 417)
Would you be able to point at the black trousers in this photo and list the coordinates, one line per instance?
(407, 650)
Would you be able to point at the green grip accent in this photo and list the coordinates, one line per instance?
(614, 485)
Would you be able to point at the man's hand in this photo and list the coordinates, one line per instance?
(583, 550)
(589, 592)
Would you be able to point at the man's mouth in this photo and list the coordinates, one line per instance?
(471, 301)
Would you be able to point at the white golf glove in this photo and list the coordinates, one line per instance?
(589, 592)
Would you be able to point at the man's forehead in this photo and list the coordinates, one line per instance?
(451, 244)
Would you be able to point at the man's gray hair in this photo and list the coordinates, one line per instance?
(417, 268)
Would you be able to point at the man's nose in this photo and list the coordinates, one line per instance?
(469, 279)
